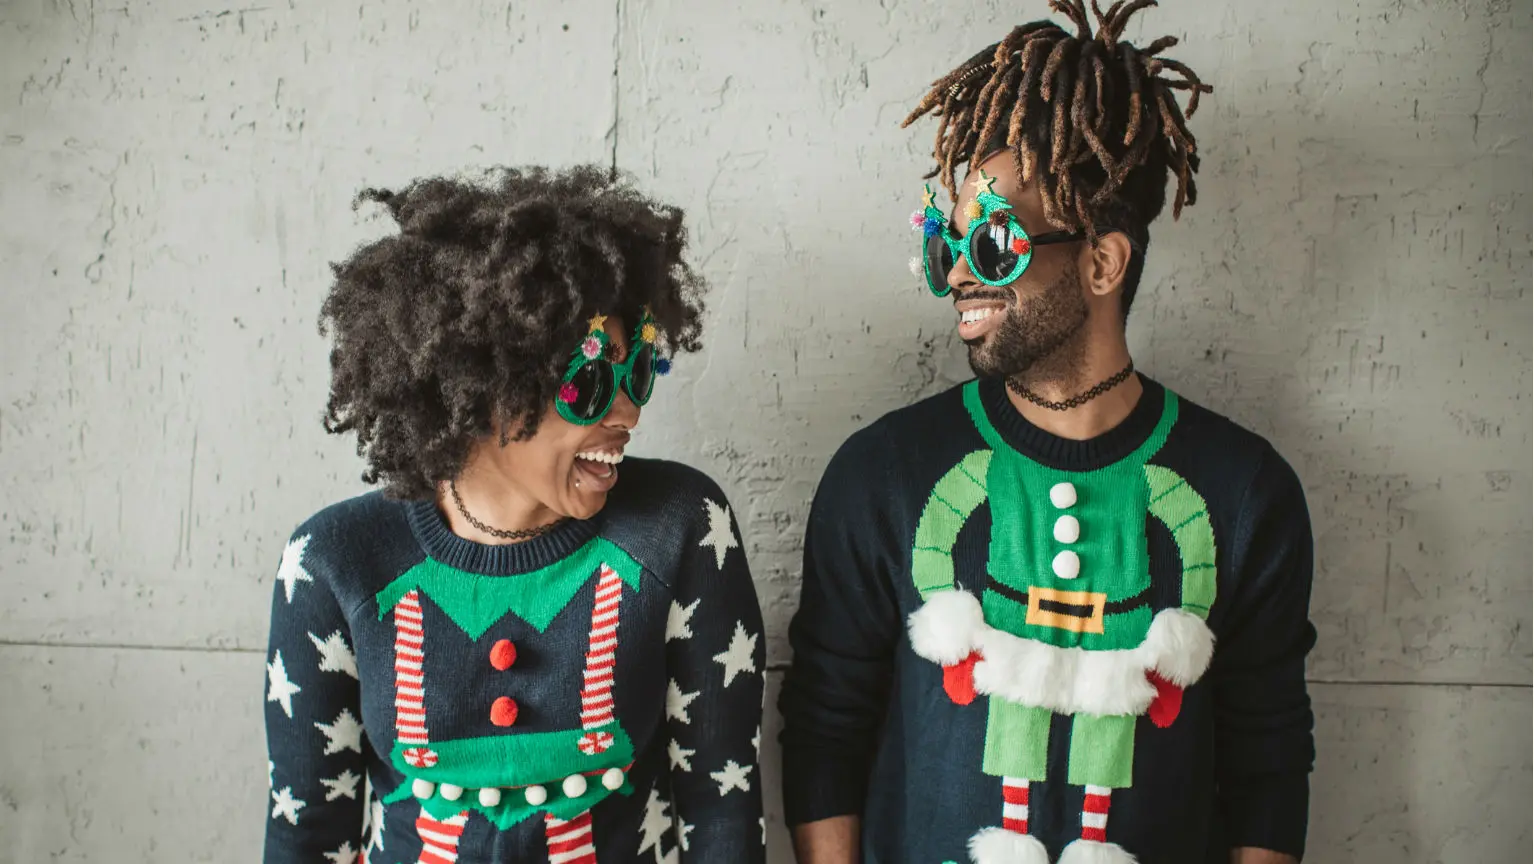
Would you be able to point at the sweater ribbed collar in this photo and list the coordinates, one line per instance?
(1067, 454)
(438, 541)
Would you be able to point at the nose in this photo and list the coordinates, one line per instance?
(960, 277)
(624, 415)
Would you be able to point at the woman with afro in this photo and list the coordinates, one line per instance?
(525, 647)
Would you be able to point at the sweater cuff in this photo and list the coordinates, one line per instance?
(1267, 812)
(822, 784)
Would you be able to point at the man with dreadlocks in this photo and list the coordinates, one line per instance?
(1014, 591)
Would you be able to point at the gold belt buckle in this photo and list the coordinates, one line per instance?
(1075, 611)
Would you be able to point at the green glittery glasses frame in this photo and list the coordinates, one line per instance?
(997, 255)
(591, 383)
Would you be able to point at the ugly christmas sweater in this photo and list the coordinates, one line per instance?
(592, 695)
(1024, 649)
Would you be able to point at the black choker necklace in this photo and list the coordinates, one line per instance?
(1079, 399)
(524, 534)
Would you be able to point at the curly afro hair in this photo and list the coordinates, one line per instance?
(460, 326)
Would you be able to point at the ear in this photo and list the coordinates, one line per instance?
(1108, 263)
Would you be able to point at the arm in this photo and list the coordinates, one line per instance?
(1260, 856)
(1263, 744)
(715, 657)
(313, 716)
(828, 841)
(844, 637)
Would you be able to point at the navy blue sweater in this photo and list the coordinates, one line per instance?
(591, 695)
(985, 638)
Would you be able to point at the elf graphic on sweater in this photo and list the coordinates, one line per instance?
(1068, 622)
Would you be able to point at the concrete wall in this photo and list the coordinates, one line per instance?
(174, 176)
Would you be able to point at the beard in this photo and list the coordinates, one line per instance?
(1040, 338)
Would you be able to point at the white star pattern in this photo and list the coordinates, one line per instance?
(285, 805)
(657, 819)
(344, 734)
(335, 656)
(756, 740)
(682, 831)
(671, 857)
(376, 822)
(281, 690)
(677, 702)
(291, 571)
(271, 768)
(738, 657)
(679, 756)
(733, 776)
(344, 786)
(345, 855)
(720, 536)
(678, 620)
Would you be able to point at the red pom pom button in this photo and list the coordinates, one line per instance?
(502, 655)
(1020, 246)
(503, 712)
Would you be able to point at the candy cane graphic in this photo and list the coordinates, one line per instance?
(439, 837)
(570, 842)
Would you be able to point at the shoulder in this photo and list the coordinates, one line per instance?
(1238, 469)
(352, 544)
(662, 510)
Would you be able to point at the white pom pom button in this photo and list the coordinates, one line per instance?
(489, 797)
(1067, 565)
(612, 780)
(1067, 529)
(450, 792)
(423, 788)
(536, 795)
(1063, 495)
(574, 786)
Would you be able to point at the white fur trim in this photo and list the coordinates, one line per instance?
(1181, 644)
(946, 629)
(1076, 681)
(1093, 852)
(1000, 846)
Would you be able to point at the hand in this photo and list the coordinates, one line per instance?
(959, 679)
(1168, 702)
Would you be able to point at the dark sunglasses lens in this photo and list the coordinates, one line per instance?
(939, 261)
(642, 375)
(593, 390)
(994, 252)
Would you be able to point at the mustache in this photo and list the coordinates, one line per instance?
(985, 294)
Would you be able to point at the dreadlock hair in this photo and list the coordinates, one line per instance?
(1091, 118)
(461, 325)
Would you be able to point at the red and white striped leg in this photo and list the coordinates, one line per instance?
(1094, 814)
(569, 842)
(439, 837)
(1014, 807)
(409, 680)
(601, 660)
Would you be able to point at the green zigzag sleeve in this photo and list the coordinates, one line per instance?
(954, 498)
(1184, 512)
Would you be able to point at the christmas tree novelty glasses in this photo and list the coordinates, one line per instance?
(592, 381)
(997, 247)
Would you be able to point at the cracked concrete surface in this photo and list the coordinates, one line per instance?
(1353, 284)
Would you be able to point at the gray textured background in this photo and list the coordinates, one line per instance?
(175, 176)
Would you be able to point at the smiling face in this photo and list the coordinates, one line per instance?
(565, 468)
(1042, 315)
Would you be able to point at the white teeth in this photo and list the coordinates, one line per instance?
(423, 788)
(574, 786)
(536, 795)
(612, 779)
(973, 316)
(450, 792)
(489, 797)
(604, 457)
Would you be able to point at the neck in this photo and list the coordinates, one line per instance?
(1098, 363)
(496, 500)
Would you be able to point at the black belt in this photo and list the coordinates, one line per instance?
(1117, 607)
